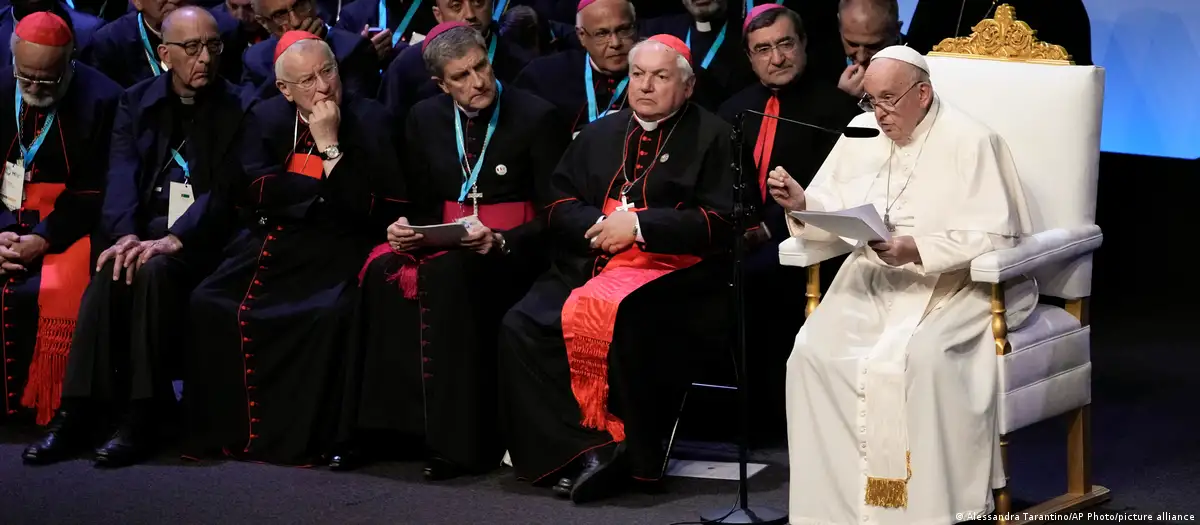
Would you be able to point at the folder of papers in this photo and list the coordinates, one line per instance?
(856, 226)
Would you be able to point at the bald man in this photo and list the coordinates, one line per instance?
(589, 83)
(891, 385)
(270, 324)
(125, 49)
(866, 27)
(171, 143)
(54, 173)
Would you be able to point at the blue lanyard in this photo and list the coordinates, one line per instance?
(71, 4)
(469, 182)
(29, 153)
(501, 5)
(150, 54)
(492, 53)
(408, 16)
(187, 174)
(593, 112)
(712, 51)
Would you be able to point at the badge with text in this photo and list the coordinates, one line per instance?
(182, 198)
(13, 190)
(501, 170)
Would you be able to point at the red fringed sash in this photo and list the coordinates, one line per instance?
(500, 216)
(589, 317)
(63, 281)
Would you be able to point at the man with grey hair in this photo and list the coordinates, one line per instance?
(53, 176)
(639, 206)
(478, 154)
(82, 25)
(891, 385)
(589, 83)
(270, 324)
(125, 49)
(712, 31)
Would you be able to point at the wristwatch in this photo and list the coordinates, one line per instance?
(503, 244)
(331, 153)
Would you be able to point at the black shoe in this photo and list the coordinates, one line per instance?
(438, 469)
(563, 488)
(67, 435)
(604, 471)
(346, 460)
(127, 446)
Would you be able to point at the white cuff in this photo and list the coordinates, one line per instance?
(637, 227)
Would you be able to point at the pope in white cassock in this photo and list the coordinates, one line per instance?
(891, 386)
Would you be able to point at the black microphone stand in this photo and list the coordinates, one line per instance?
(741, 211)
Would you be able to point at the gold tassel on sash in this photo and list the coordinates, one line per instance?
(889, 493)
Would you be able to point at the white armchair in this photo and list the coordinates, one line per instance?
(1049, 113)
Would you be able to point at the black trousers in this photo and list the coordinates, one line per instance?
(129, 339)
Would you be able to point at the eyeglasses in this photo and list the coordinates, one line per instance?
(868, 103)
(624, 32)
(38, 81)
(328, 73)
(302, 8)
(764, 50)
(192, 47)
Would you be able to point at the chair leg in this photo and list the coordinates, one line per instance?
(1002, 496)
(1081, 493)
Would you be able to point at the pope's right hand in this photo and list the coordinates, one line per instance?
(402, 238)
(785, 190)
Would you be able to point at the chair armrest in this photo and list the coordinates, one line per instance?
(1041, 249)
(799, 252)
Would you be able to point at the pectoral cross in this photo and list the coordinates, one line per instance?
(475, 195)
(625, 204)
(887, 222)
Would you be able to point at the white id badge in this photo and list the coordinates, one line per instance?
(416, 38)
(13, 189)
(181, 198)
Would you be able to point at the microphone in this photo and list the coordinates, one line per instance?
(852, 132)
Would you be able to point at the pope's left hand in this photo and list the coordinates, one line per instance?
(614, 234)
(897, 252)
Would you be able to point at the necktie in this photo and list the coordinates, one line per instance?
(766, 143)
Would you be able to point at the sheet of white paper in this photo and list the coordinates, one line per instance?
(180, 200)
(13, 190)
(442, 235)
(856, 225)
(686, 468)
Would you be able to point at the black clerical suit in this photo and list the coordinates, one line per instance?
(554, 405)
(62, 195)
(82, 25)
(1060, 22)
(561, 79)
(429, 361)
(800, 150)
(129, 338)
(406, 81)
(357, 64)
(270, 324)
(126, 50)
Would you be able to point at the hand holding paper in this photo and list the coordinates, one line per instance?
(858, 225)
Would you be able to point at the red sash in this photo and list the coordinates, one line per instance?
(64, 278)
(589, 317)
(306, 164)
(499, 217)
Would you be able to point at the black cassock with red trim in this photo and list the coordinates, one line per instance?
(271, 323)
(61, 204)
(612, 378)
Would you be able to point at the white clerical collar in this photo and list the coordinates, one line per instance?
(703, 27)
(595, 67)
(467, 112)
(651, 126)
(302, 118)
(925, 125)
(151, 29)
(187, 101)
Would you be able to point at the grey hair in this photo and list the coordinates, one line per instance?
(14, 40)
(301, 46)
(682, 63)
(632, 14)
(450, 45)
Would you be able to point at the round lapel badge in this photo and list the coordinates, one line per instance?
(665, 157)
(501, 170)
